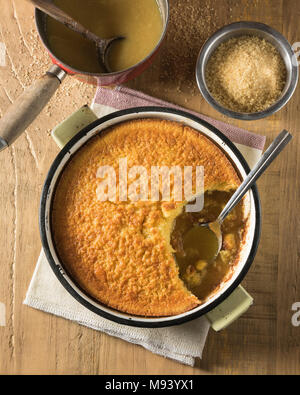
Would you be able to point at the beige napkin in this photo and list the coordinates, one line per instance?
(182, 343)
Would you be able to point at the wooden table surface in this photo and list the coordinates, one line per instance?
(263, 341)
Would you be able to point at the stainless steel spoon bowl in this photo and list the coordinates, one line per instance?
(272, 152)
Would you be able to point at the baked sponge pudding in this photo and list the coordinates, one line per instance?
(122, 252)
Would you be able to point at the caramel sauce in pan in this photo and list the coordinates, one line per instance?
(195, 246)
(139, 21)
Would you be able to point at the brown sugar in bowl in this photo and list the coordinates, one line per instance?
(261, 32)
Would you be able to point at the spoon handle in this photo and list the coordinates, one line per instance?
(50, 9)
(272, 152)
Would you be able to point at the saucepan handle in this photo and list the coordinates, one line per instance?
(27, 107)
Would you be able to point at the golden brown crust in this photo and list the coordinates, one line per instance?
(116, 250)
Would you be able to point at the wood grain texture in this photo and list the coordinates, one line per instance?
(263, 341)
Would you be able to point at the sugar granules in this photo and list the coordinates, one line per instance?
(246, 74)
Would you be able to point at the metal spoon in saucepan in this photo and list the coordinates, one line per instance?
(214, 228)
(102, 45)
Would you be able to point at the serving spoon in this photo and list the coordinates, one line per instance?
(102, 45)
(214, 228)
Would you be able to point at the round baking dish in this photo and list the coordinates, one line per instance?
(249, 248)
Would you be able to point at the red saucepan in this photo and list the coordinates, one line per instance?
(27, 107)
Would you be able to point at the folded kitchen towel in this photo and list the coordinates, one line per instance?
(183, 343)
